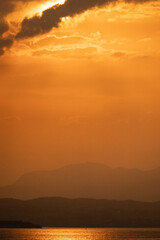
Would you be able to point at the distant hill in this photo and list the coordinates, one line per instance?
(90, 180)
(18, 224)
(62, 212)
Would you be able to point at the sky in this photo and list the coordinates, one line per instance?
(79, 82)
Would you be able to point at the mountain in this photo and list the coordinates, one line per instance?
(88, 180)
(62, 212)
(18, 224)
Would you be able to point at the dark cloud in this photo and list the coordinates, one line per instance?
(4, 44)
(52, 16)
(6, 7)
(3, 26)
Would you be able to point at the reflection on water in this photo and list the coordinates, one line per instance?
(79, 234)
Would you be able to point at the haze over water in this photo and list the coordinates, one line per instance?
(79, 234)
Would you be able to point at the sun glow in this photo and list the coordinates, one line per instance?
(49, 4)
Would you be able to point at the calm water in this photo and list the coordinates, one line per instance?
(79, 234)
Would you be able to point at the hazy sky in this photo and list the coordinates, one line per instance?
(79, 83)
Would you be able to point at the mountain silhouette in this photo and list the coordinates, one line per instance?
(62, 212)
(87, 180)
(18, 224)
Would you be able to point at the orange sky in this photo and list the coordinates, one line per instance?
(88, 90)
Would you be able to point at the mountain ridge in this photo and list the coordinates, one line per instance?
(64, 212)
(87, 180)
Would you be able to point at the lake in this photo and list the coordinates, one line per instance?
(80, 234)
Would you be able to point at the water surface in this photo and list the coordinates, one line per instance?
(79, 234)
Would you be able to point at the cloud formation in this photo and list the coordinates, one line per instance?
(6, 7)
(3, 26)
(49, 19)
(5, 43)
